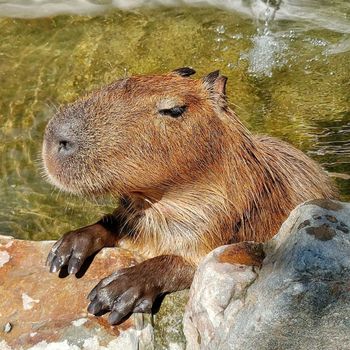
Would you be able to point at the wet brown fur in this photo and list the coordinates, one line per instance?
(187, 184)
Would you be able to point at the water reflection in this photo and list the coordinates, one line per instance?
(45, 62)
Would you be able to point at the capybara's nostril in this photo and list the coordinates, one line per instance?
(65, 147)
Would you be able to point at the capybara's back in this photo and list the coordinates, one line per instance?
(284, 178)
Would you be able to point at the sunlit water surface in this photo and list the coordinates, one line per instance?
(288, 75)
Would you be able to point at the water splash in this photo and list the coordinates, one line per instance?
(268, 48)
(266, 54)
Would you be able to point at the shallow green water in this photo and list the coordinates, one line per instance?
(291, 82)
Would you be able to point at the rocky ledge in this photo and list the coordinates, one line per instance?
(291, 293)
(44, 311)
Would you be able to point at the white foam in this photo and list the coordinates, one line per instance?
(330, 16)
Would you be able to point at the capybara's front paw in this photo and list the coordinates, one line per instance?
(75, 246)
(122, 293)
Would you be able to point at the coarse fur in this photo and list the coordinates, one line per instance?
(187, 183)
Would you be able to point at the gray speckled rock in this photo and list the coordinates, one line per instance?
(168, 332)
(300, 299)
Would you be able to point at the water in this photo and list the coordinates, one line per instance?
(288, 77)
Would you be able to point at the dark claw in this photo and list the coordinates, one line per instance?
(74, 265)
(115, 317)
(144, 307)
(93, 293)
(55, 264)
(49, 259)
(95, 307)
(122, 306)
(59, 261)
(52, 253)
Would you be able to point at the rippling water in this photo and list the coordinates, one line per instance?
(288, 77)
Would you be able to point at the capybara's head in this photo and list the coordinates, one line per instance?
(136, 135)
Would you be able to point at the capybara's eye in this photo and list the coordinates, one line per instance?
(174, 112)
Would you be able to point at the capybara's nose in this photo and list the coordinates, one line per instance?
(61, 139)
(65, 146)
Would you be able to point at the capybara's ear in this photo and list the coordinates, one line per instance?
(215, 82)
(184, 71)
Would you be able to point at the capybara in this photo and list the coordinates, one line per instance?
(189, 176)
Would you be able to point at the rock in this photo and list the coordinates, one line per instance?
(168, 330)
(48, 312)
(299, 299)
(42, 311)
(7, 327)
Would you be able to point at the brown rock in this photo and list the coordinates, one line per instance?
(43, 307)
